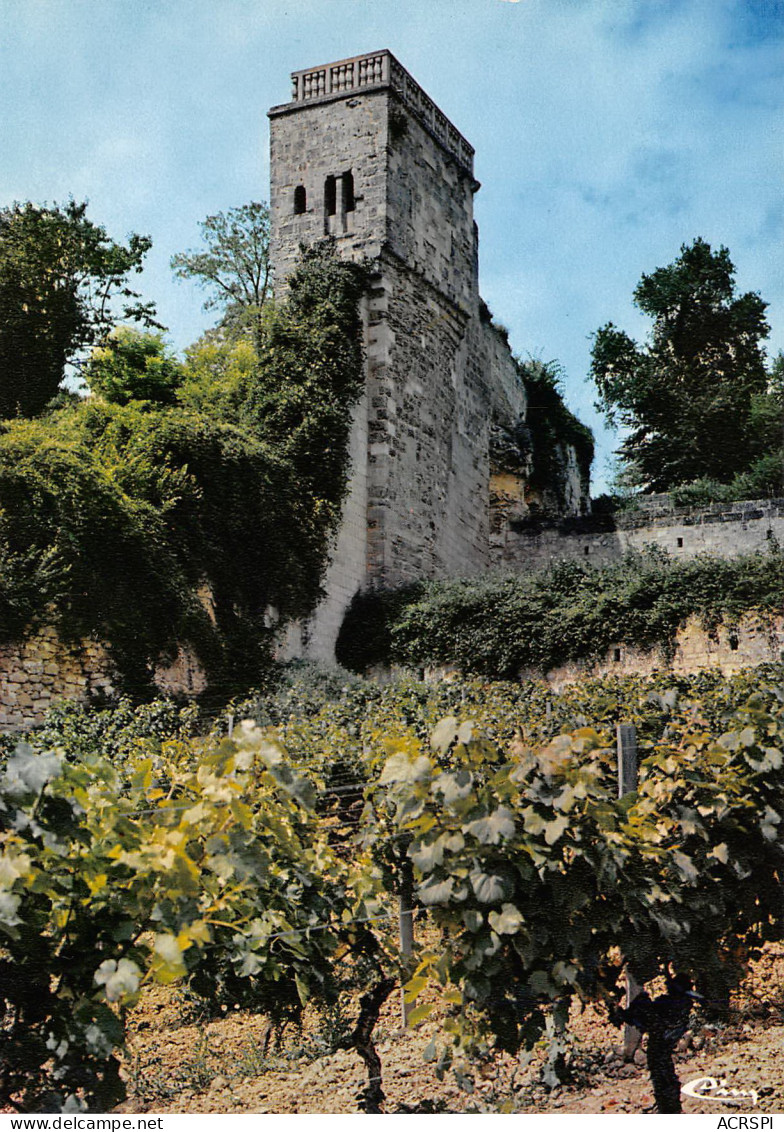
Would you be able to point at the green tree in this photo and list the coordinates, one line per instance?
(233, 265)
(63, 284)
(134, 365)
(218, 374)
(689, 397)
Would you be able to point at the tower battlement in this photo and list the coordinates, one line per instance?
(376, 71)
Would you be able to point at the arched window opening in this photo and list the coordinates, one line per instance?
(300, 200)
(330, 196)
(348, 192)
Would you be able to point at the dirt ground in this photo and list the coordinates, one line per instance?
(178, 1065)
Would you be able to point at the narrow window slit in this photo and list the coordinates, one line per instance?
(330, 196)
(349, 200)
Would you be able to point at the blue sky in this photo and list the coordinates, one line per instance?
(608, 133)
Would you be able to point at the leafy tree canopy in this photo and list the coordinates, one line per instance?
(219, 372)
(233, 264)
(63, 284)
(694, 395)
(134, 366)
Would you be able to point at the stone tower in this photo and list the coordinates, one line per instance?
(363, 154)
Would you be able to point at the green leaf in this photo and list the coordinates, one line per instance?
(534, 823)
(491, 830)
(303, 988)
(444, 734)
(473, 919)
(566, 799)
(540, 983)
(434, 891)
(506, 922)
(769, 824)
(489, 888)
(426, 857)
(555, 829)
(454, 786)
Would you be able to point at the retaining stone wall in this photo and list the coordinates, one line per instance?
(41, 670)
(756, 639)
(725, 529)
(37, 672)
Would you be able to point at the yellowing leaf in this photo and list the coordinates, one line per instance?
(168, 964)
(419, 1013)
(414, 987)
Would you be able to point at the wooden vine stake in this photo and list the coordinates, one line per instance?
(406, 930)
(628, 766)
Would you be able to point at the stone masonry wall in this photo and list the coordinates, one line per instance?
(438, 375)
(356, 133)
(37, 672)
(754, 640)
(41, 670)
(725, 529)
(433, 395)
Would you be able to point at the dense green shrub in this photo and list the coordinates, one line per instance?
(150, 524)
(134, 366)
(500, 625)
(551, 430)
(121, 731)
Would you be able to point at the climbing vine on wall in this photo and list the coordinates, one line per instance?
(499, 625)
(551, 430)
(116, 517)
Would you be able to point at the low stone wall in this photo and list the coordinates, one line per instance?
(756, 639)
(724, 529)
(41, 670)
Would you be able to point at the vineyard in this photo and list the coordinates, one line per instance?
(259, 872)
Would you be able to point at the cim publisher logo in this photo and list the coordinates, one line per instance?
(717, 1089)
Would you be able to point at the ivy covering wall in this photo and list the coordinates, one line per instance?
(497, 626)
(198, 517)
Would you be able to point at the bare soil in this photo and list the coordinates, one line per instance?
(176, 1064)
